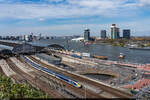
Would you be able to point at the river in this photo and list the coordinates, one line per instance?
(134, 56)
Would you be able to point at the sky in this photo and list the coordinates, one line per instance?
(71, 17)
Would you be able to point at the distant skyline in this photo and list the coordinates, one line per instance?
(71, 17)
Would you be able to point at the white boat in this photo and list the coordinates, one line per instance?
(122, 56)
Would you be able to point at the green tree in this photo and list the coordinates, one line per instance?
(8, 89)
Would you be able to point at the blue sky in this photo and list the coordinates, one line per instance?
(71, 17)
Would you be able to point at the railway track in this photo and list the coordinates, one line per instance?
(79, 92)
(54, 83)
(31, 80)
(111, 91)
(9, 72)
(1, 71)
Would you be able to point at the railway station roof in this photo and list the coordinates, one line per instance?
(5, 51)
(5, 47)
(24, 48)
(56, 46)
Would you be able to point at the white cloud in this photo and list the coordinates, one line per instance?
(55, 1)
(145, 3)
(41, 19)
(74, 8)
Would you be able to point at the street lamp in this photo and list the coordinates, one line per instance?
(85, 92)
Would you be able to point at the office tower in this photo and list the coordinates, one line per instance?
(118, 32)
(86, 34)
(103, 34)
(115, 32)
(30, 37)
(40, 35)
(26, 37)
(126, 33)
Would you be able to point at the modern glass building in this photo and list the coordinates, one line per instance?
(115, 32)
(103, 34)
(126, 33)
(87, 34)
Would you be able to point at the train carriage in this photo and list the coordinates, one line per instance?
(60, 76)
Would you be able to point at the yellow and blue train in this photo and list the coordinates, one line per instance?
(58, 75)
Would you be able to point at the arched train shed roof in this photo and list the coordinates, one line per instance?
(56, 46)
(5, 51)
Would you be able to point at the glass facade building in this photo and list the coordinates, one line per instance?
(115, 32)
(87, 34)
(103, 34)
(126, 33)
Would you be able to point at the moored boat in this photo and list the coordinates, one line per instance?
(122, 56)
(100, 57)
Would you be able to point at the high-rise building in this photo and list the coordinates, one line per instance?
(87, 34)
(118, 32)
(26, 37)
(103, 34)
(115, 32)
(126, 33)
(30, 37)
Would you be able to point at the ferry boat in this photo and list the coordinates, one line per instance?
(122, 56)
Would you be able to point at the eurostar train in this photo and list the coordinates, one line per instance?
(46, 70)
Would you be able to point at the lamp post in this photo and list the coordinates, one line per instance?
(85, 92)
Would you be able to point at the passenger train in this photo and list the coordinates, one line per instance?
(60, 76)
